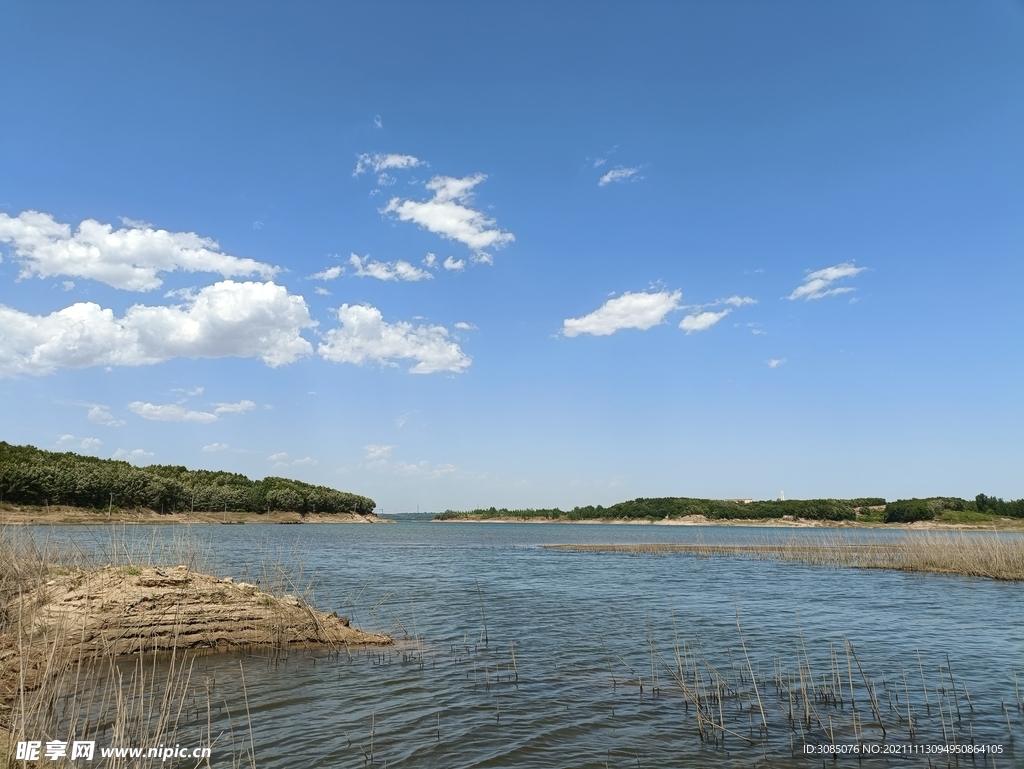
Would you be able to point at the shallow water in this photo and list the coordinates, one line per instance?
(587, 630)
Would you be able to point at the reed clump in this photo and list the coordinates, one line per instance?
(975, 555)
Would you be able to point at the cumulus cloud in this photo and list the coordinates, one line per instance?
(321, 291)
(233, 408)
(281, 456)
(379, 162)
(227, 319)
(216, 447)
(305, 461)
(88, 445)
(816, 284)
(448, 213)
(701, 321)
(135, 455)
(101, 415)
(170, 412)
(376, 451)
(642, 310)
(451, 263)
(364, 336)
(463, 326)
(430, 260)
(397, 270)
(618, 174)
(131, 258)
(775, 362)
(331, 273)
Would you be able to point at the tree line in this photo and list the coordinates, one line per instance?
(31, 476)
(679, 507)
(900, 511)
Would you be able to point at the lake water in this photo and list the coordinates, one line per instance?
(588, 630)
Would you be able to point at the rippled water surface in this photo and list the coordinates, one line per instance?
(597, 680)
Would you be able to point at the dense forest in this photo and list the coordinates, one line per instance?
(31, 476)
(869, 508)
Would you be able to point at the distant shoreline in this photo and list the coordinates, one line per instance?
(1001, 524)
(73, 516)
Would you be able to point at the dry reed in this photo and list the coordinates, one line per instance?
(975, 555)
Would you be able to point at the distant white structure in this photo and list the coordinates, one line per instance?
(782, 496)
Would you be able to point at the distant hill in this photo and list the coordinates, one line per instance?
(31, 476)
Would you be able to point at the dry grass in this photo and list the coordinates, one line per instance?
(974, 555)
(87, 647)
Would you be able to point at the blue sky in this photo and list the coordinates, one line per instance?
(694, 249)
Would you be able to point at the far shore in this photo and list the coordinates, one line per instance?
(66, 515)
(1001, 524)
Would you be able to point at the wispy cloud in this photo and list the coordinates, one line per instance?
(619, 174)
(816, 284)
(738, 301)
(397, 270)
(331, 273)
(131, 258)
(775, 362)
(216, 447)
(641, 310)
(463, 326)
(377, 454)
(448, 213)
(453, 264)
(379, 162)
(364, 336)
(702, 321)
(170, 412)
(233, 408)
(101, 415)
(424, 470)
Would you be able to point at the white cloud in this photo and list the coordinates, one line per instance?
(233, 408)
(226, 319)
(305, 461)
(424, 470)
(448, 214)
(775, 362)
(331, 273)
(450, 263)
(430, 260)
(379, 162)
(377, 451)
(618, 174)
(131, 258)
(101, 415)
(321, 291)
(195, 391)
(463, 326)
(135, 455)
(640, 310)
(398, 270)
(701, 321)
(281, 456)
(216, 447)
(738, 301)
(170, 412)
(68, 285)
(88, 445)
(364, 335)
(816, 284)
(482, 257)
(600, 162)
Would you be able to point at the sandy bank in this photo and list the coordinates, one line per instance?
(59, 514)
(118, 611)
